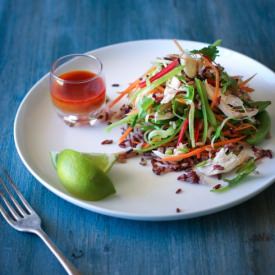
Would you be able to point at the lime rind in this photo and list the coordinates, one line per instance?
(54, 156)
(81, 176)
(103, 161)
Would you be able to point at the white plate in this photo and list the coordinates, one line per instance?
(141, 195)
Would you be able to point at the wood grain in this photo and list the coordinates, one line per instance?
(32, 35)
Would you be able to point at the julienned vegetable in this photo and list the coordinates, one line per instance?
(210, 114)
(163, 72)
(264, 124)
(204, 106)
(182, 131)
(157, 82)
(188, 114)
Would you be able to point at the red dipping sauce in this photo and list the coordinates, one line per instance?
(78, 92)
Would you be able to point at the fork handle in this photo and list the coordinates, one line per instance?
(70, 269)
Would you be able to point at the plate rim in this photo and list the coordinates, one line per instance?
(122, 214)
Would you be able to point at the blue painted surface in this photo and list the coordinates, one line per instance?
(32, 35)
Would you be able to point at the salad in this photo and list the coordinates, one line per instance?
(186, 113)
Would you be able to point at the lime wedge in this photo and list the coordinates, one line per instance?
(80, 174)
(103, 161)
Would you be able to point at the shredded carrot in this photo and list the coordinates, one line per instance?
(125, 134)
(180, 100)
(243, 83)
(243, 86)
(217, 82)
(245, 126)
(201, 149)
(217, 88)
(145, 145)
(157, 90)
(230, 134)
(247, 89)
(116, 100)
(160, 88)
(129, 89)
(154, 91)
(150, 70)
(230, 124)
(221, 118)
(125, 92)
(135, 142)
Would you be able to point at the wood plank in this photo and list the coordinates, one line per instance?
(32, 35)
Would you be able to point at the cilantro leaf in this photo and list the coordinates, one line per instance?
(227, 82)
(211, 51)
(260, 105)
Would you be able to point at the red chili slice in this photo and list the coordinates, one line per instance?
(198, 126)
(182, 131)
(164, 71)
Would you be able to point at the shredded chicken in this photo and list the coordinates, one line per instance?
(227, 103)
(191, 67)
(223, 162)
(171, 90)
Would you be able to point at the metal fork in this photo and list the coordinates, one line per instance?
(25, 219)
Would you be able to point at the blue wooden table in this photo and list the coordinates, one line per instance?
(32, 35)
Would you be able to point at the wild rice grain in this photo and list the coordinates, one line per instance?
(217, 186)
(143, 162)
(107, 141)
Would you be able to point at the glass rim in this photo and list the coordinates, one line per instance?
(92, 57)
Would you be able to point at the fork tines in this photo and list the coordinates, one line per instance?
(18, 208)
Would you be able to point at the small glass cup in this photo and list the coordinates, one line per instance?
(77, 88)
